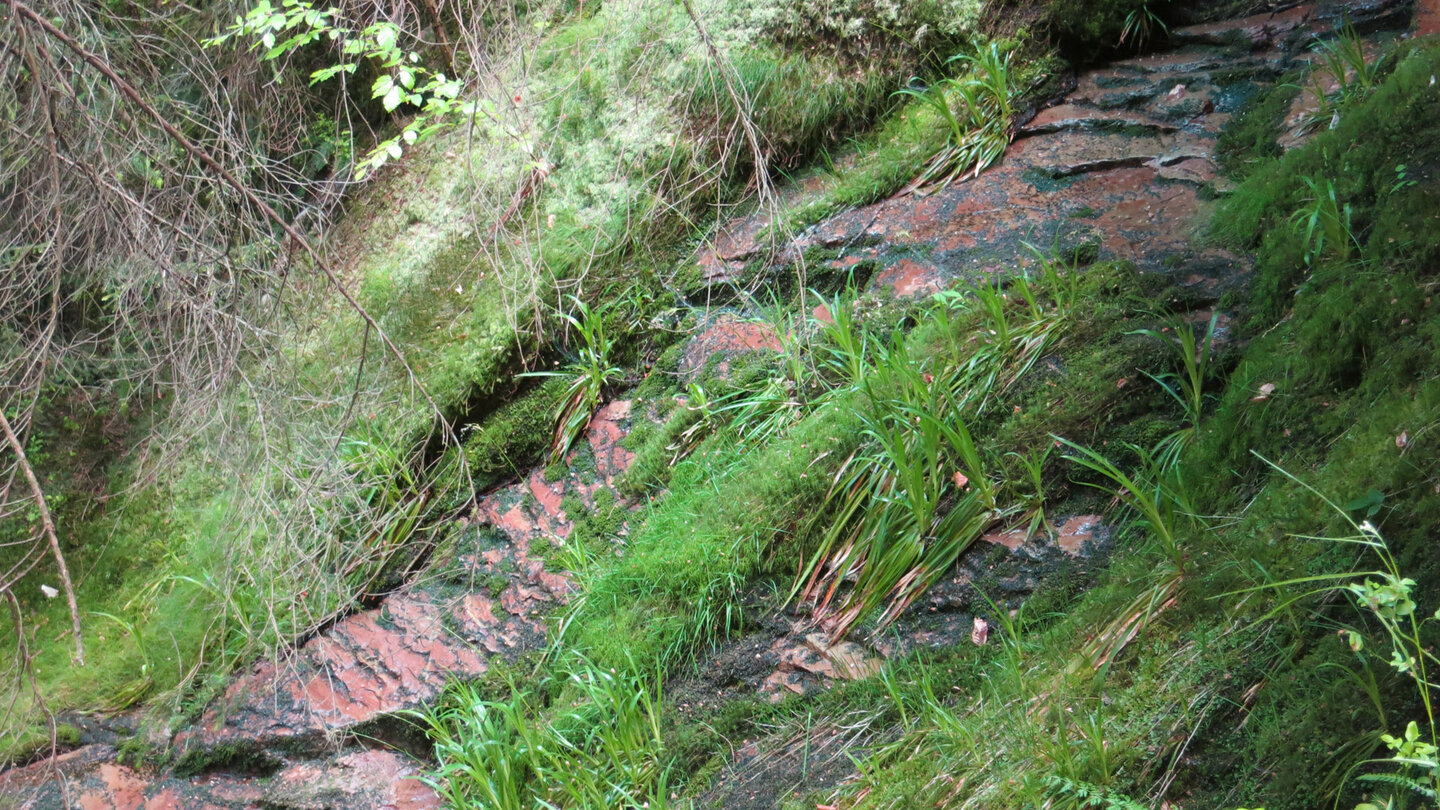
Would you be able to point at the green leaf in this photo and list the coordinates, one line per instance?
(385, 37)
(1370, 502)
(392, 99)
(326, 73)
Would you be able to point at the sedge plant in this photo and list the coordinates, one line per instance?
(1141, 24)
(1186, 388)
(599, 747)
(590, 371)
(1324, 223)
(978, 110)
(1344, 76)
(1158, 496)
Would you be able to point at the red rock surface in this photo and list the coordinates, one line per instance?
(1427, 18)
(1117, 165)
(1073, 535)
(1258, 30)
(90, 779)
(728, 336)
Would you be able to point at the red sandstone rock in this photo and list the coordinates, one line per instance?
(727, 336)
(1074, 533)
(1427, 18)
(90, 779)
(1260, 29)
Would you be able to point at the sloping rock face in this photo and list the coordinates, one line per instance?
(89, 779)
(289, 733)
(492, 602)
(1121, 167)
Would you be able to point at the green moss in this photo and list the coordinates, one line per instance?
(1395, 126)
(803, 99)
(595, 530)
(513, 438)
(240, 756)
(1044, 181)
(36, 742)
(675, 588)
(863, 32)
(653, 446)
(1252, 136)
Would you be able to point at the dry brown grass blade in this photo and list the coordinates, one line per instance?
(1111, 641)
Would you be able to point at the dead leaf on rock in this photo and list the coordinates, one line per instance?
(981, 633)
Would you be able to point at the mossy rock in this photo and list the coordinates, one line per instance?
(513, 438)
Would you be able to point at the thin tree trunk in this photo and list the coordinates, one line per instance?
(47, 525)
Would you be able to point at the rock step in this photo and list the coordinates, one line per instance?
(492, 601)
(1113, 170)
(1082, 152)
(1072, 117)
(89, 778)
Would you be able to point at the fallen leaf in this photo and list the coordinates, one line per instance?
(1176, 92)
(981, 633)
(50, 593)
(1121, 383)
(1265, 391)
(961, 480)
(1403, 440)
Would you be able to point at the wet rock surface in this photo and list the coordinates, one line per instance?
(1123, 167)
(90, 779)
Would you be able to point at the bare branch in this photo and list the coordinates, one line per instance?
(47, 525)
